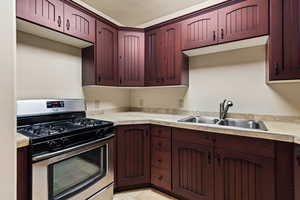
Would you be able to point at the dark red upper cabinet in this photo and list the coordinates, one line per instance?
(200, 31)
(48, 13)
(153, 69)
(131, 58)
(173, 61)
(107, 54)
(79, 24)
(243, 20)
(284, 42)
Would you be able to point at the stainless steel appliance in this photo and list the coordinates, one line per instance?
(72, 156)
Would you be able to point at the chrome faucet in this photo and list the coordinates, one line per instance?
(224, 107)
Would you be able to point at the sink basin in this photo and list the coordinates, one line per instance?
(201, 120)
(241, 123)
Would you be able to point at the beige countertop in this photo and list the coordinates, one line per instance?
(279, 131)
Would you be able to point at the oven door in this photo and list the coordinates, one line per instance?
(77, 173)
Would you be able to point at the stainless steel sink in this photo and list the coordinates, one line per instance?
(241, 123)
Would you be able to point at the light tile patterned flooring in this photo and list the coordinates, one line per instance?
(142, 194)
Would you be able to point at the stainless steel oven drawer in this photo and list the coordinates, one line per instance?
(105, 194)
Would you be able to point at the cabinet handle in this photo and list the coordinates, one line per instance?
(276, 66)
(298, 158)
(120, 81)
(222, 33)
(214, 35)
(218, 157)
(160, 178)
(68, 24)
(59, 21)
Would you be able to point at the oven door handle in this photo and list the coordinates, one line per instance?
(50, 155)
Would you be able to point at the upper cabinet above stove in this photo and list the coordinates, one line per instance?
(59, 16)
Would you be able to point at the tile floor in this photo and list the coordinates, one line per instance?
(142, 194)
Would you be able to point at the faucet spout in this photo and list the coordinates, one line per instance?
(224, 107)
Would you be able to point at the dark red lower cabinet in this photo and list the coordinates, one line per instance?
(133, 155)
(241, 176)
(22, 174)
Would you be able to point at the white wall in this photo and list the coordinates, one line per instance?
(239, 74)
(7, 101)
(47, 69)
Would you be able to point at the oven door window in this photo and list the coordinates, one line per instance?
(70, 176)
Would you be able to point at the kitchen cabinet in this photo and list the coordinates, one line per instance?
(48, 13)
(131, 58)
(165, 63)
(243, 20)
(79, 24)
(59, 16)
(240, 176)
(284, 42)
(192, 167)
(161, 157)
(133, 155)
(153, 65)
(22, 174)
(200, 31)
(106, 54)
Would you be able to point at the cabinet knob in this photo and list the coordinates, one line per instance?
(160, 178)
(214, 35)
(298, 158)
(276, 66)
(99, 78)
(68, 24)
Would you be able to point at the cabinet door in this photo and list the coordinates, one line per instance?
(244, 177)
(200, 31)
(107, 50)
(22, 174)
(79, 24)
(131, 58)
(133, 155)
(48, 13)
(153, 67)
(243, 20)
(172, 55)
(192, 171)
(284, 42)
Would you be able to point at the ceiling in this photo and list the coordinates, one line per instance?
(137, 12)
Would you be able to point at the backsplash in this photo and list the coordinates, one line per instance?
(239, 75)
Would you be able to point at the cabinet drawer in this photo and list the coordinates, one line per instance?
(161, 160)
(161, 131)
(246, 145)
(161, 178)
(160, 144)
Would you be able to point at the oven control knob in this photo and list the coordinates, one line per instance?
(53, 144)
(100, 133)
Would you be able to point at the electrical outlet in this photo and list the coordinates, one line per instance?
(141, 102)
(97, 104)
(181, 102)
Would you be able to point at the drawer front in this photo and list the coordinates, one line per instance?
(161, 160)
(161, 131)
(160, 144)
(161, 178)
(194, 137)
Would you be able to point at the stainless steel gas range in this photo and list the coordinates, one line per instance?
(71, 155)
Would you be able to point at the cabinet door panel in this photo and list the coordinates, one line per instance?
(192, 172)
(172, 55)
(240, 176)
(79, 24)
(131, 58)
(243, 20)
(107, 41)
(200, 31)
(153, 58)
(133, 155)
(48, 13)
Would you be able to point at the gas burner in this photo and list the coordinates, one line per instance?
(87, 122)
